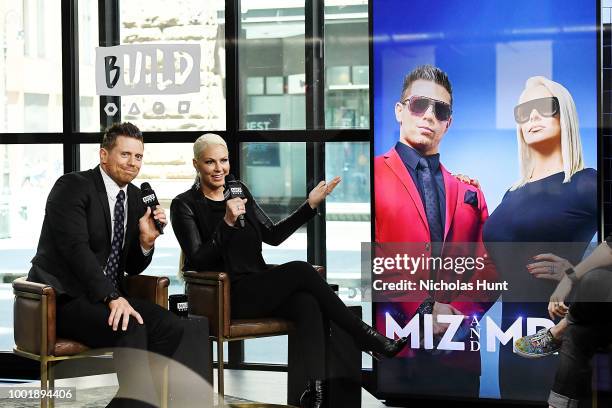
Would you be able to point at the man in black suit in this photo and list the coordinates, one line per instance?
(95, 228)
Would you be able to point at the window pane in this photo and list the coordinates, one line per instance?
(193, 22)
(27, 173)
(30, 66)
(89, 114)
(347, 212)
(267, 350)
(346, 65)
(271, 66)
(275, 173)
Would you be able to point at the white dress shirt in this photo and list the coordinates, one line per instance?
(112, 189)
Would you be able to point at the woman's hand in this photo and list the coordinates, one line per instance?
(442, 309)
(468, 180)
(322, 190)
(549, 266)
(557, 306)
(234, 208)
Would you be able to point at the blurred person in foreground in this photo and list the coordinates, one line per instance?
(584, 326)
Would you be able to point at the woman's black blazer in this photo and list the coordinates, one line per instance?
(202, 243)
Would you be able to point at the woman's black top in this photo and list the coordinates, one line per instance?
(209, 244)
(543, 216)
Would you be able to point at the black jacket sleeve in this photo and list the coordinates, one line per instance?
(66, 212)
(275, 233)
(204, 250)
(136, 261)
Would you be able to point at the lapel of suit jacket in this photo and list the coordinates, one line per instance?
(103, 197)
(394, 162)
(131, 228)
(451, 189)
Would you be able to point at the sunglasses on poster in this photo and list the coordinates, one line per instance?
(547, 107)
(418, 105)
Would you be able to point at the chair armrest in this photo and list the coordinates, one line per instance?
(22, 285)
(151, 288)
(210, 275)
(208, 293)
(321, 270)
(34, 317)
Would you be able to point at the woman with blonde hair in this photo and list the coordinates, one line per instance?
(206, 225)
(549, 215)
(551, 142)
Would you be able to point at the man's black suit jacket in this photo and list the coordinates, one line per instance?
(75, 240)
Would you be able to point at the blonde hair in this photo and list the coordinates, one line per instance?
(207, 139)
(571, 147)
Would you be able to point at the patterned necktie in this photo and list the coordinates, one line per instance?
(432, 205)
(112, 265)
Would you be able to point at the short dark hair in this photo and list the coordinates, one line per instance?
(119, 129)
(427, 73)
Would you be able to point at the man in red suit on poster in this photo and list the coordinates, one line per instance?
(419, 204)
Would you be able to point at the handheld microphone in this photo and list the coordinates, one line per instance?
(233, 189)
(150, 200)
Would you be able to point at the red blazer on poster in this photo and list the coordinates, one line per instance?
(400, 218)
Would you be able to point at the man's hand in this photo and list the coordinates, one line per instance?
(148, 232)
(467, 180)
(557, 306)
(442, 309)
(119, 308)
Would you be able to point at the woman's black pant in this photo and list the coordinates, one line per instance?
(590, 327)
(297, 292)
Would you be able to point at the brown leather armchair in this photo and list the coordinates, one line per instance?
(34, 323)
(209, 295)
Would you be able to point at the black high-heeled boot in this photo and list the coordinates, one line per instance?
(381, 346)
(314, 395)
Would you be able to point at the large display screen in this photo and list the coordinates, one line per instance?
(504, 93)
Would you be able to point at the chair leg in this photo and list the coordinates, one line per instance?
(594, 381)
(43, 381)
(51, 375)
(220, 371)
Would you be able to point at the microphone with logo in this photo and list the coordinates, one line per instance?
(233, 189)
(150, 200)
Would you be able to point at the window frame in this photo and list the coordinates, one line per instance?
(315, 135)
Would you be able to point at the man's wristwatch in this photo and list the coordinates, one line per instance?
(571, 274)
(113, 296)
